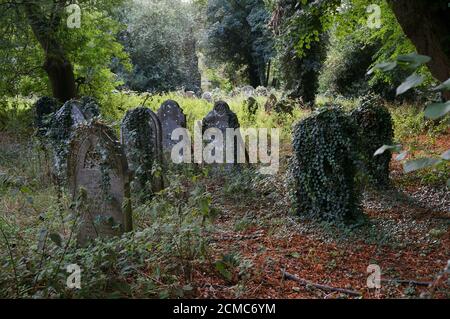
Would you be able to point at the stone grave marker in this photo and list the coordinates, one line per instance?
(171, 117)
(141, 137)
(221, 117)
(98, 180)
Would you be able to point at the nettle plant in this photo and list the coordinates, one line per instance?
(374, 125)
(325, 167)
(433, 111)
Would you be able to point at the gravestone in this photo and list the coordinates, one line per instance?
(171, 117)
(270, 103)
(221, 117)
(89, 107)
(207, 96)
(98, 181)
(141, 137)
(63, 123)
(261, 91)
(44, 108)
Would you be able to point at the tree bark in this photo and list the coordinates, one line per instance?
(427, 25)
(56, 65)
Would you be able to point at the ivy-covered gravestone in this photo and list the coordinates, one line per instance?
(44, 109)
(89, 107)
(375, 129)
(171, 117)
(222, 118)
(68, 117)
(141, 137)
(98, 180)
(324, 167)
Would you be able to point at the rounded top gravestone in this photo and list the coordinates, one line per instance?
(141, 136)
(171, 117)
(98, 181)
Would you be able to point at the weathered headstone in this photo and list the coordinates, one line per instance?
(261, 91)
(98, 181)
(141, 136)
(222, 118)
(89, 107)
(63, 123)
(270, 103)
(44, 108)
(171, 117)
(248, 90)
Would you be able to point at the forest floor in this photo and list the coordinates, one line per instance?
(407, 235)
(256, 238)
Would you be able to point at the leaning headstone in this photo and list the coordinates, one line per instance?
(44, 108)
(171, 117)
(141, 136)
(222, 118)
(98, 181)
(270, 103)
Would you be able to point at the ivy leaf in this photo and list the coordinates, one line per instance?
(56, 238)
(445, 86)
(446, 155)
(412, 81)
(414, 60)
(421, 163)
(384, 67)
(384, 148)
(435, 111)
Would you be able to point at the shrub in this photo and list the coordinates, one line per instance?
(375, 129)
(325, 166)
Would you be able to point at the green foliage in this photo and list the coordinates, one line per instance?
(236, 33)
(375, 129)
(299, 61)
(163, 51)
(90, 48)
(325, 166)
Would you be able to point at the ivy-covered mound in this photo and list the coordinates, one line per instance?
(375, 129)
(324, 167)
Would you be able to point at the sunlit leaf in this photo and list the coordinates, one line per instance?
(384, 67)
(384, 148)
(435, 111)
(445, 86)
(421, 163)
(401, 156)
(412, 81)
(413, 60)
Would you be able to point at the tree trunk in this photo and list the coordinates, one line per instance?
(427, 25)
(254, 76)
(58, 67)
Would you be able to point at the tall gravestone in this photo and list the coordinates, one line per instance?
(98, 179)
(171, 117)
(222, 118)
(141, 136)
(270, 103)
